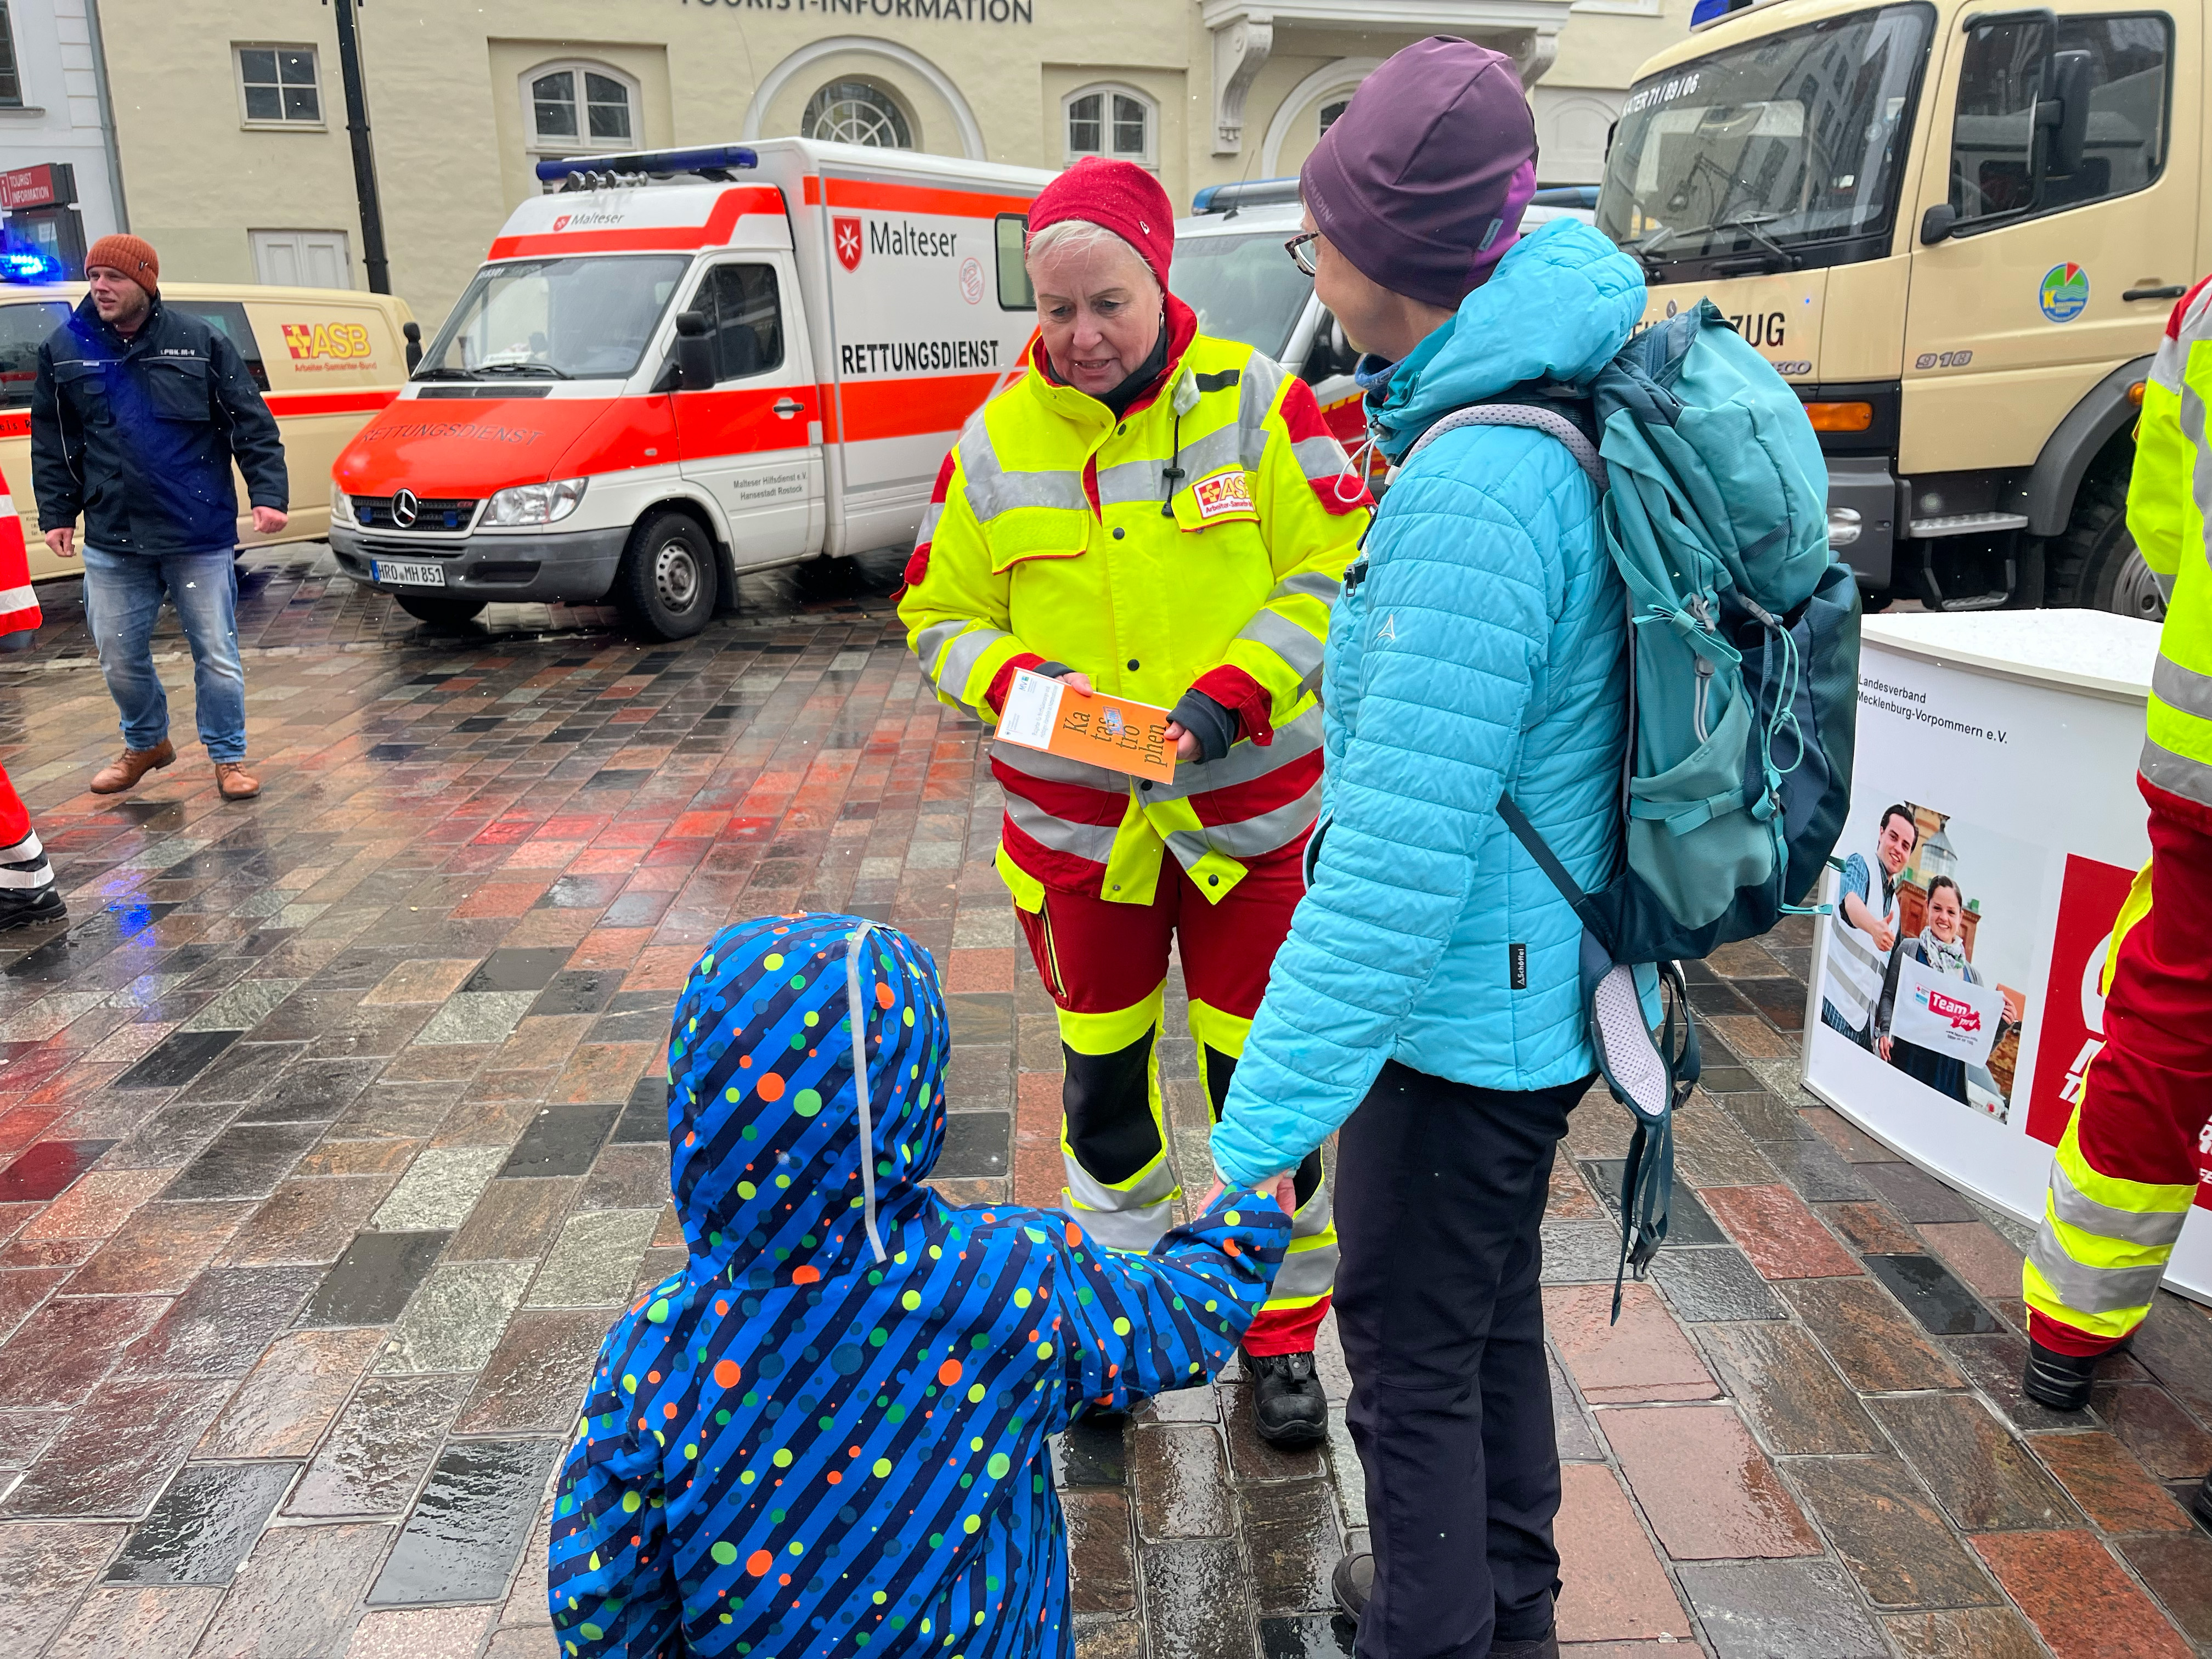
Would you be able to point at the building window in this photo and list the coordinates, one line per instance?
(1330, 111)
(1113, 121)
(11, 83)
(279, 86)
(576, 107)
(857, 112)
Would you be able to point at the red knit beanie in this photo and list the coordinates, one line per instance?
(132, 255)
(1119, 195)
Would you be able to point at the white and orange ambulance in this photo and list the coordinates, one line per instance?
(686, 364)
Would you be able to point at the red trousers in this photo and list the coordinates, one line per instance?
(15, 817)
(1106, 967)
(2148, 1092)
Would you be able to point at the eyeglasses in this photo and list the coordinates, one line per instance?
(1301, 254)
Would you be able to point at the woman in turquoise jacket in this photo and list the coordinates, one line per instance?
(1426, 1002)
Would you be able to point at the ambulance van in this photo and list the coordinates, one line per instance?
(324, 359)
(683, 365)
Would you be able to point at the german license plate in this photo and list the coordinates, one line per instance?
(406, 574)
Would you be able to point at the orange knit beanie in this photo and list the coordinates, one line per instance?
(133, 257)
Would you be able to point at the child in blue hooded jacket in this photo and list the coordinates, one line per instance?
(828, 1434)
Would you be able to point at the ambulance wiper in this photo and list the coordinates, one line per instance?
(440, 371)
(546, 369)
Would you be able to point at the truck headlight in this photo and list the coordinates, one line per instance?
(544, 503)
(1844, 525)
(341, 506)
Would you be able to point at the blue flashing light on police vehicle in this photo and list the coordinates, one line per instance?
(713, 162)
(24, 263)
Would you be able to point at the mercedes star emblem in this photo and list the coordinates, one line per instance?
(404, 506)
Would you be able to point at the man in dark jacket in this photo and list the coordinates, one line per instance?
(138, 412)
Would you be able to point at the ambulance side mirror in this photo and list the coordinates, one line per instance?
(695, 353)
(413, 330)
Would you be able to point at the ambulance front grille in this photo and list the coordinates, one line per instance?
(433, 515)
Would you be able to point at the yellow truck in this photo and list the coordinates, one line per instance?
(1958, 230)
(326, 360)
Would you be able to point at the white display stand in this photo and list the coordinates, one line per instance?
(2012, 739)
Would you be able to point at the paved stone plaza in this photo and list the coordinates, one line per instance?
(332, 1126)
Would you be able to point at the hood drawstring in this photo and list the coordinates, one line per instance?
(854, 1006)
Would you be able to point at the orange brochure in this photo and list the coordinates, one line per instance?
(1041, 712)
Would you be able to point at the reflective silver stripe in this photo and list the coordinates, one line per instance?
(12, 600)
(1317, 1215)
(1094, 841)
(2092, 1290)
(1142, 481)
(2153, 1229)
(2177, 774)
(23, 851)
(1134, 1231)
(2181, 688)
(1247, 837)
(1855, 986)
(1299, 649)
(40, 874)
(1246, 761)
(1256, 389)
(1321, 459)
(1309, 584)
(962, 656)
(1057, 769)
(991, 489)
(928, 530)
(1305, 1274)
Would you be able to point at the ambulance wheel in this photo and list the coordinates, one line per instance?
(439, 613)
(666, 584)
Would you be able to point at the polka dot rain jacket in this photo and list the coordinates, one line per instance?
(793, 1448)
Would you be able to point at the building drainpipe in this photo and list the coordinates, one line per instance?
(107, 117)
(364, 154)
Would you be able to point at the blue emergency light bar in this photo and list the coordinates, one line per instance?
(1256, 192)
(714, 158)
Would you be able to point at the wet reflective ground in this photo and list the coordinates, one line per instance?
(330, 1143)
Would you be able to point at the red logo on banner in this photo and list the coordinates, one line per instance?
(1963, 1015)
(847, 234)
(2073, 1002)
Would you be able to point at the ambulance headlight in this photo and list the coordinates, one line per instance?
(341, 507)
(545, 503)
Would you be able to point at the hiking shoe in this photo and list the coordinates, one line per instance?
(126, 768)
(235, 783)
(1287, 1401)
(2060, 1381)
(1353, 1583)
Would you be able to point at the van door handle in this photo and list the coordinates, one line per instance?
(2173, 293)
(787, 407)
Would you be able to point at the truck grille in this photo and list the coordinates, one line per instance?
(432, 514)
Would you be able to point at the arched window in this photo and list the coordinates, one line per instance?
(857, 112)
(571, 108)
(1118, 122)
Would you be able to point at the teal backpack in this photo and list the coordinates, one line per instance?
(1744, 691)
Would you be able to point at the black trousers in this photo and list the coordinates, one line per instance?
(1441, 1192)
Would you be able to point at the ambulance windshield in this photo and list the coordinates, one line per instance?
(575, 319)
(1243, 287)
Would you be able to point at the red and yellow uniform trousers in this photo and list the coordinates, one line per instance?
(2127, 1170)
(19, 611)
(1198, 541)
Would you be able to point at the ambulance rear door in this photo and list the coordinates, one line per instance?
(753, 444)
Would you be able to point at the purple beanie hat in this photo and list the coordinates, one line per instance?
(1422, 180)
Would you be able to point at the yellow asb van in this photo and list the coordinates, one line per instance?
(1957, 226)
(325, 358)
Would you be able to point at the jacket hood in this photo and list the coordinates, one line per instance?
(764, 1127)
(1560, 303)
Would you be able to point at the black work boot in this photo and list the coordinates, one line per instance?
(1353, 1581)
(1287, 1401)
(1546, 1646)
(2060, 1381)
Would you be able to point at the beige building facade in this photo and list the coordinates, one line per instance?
(230, 116)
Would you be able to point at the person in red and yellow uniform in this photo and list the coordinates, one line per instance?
(28, 894)
(1162, 516)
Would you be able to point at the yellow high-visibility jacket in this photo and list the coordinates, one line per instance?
(1058, 534)
(2165, 514)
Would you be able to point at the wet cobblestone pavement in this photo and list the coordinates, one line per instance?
(331, 1132)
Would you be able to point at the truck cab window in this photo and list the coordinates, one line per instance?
(745, 319)
(23, 328)
(1994, 174)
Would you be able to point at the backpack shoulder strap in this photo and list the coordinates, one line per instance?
(1536, 417)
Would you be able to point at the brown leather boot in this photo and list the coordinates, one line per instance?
(235, 783)
(126, 768)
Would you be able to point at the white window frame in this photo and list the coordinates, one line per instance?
(583, 143)
(1111, 89)
(253, 123)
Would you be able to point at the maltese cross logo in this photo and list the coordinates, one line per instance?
(847, 232)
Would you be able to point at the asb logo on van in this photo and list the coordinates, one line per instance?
(846, 233)
(347, 342)
(2063, 292)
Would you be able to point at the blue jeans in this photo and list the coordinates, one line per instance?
(123, 595)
